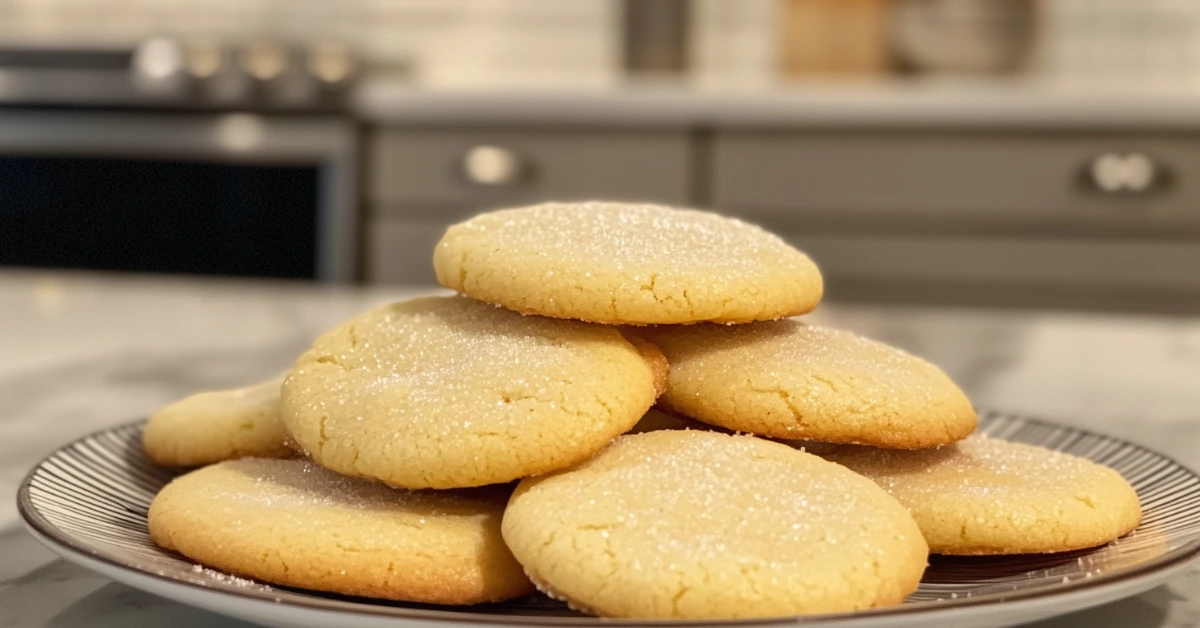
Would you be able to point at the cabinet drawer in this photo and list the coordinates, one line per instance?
(1042, 261)
(1022, 178)
(1133, 275)
(401, 251)
(485, 169)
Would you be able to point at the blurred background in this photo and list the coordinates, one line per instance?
(987, 152)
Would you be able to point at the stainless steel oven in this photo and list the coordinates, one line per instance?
(248, 194)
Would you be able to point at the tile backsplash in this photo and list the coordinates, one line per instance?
(442, 40)
(1138, 40)
(474, 41)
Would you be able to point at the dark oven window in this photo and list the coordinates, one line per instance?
(159, 216)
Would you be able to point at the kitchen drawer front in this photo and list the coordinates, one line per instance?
(400, 251)
(1019, 178)
(1065, 262)
(1137, 276)
(486, 169)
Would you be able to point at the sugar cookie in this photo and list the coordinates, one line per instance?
(785, 379)
(700, 525)
(448, 392)
(210, 427)
(293, 523)
(989, 496)
(654, 359)
(624, 263)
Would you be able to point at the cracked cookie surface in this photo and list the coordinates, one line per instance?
(989, 496)
(786, 379)
(699, 525)
(221, 425)
(292, 523)
(447, 392)
(621, 263)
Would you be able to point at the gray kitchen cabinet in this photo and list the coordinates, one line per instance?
(1087, 181)
(1101, 220)
(400, 251)
(421, 180)
(1076, 220)
(1083, 263)
(1133, 274)
(523, 166)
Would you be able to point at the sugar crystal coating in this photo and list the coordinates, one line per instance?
(293, 523)
(627, 263)
(990, 496)
(301, 485)
(786, 379)
(448, 392)
(694, 524)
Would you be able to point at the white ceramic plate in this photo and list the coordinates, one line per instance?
(88, 503)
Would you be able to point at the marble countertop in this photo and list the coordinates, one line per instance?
(81, 352)
(992, 104)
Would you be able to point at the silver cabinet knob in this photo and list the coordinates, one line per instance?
(1124, 173)
(1140, 172)
(493, 166)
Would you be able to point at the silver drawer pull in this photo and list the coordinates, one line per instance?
(493, 166)
(1124, 173)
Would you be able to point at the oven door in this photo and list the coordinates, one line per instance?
(211, 194)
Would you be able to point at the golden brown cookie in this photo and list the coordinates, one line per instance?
(699, 525)
(622, 263)
(786, 379)
(654, 358)
(210, 427)
(448, 392)
(989, 496)
(293, 523)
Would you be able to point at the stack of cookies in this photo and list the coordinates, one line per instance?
(467, 449)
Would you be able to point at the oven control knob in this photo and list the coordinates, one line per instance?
(158, 61)
(265, 62)
(332, 65)
(204, 60)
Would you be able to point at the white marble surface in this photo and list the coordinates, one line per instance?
(81, 352)
(990, 104)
